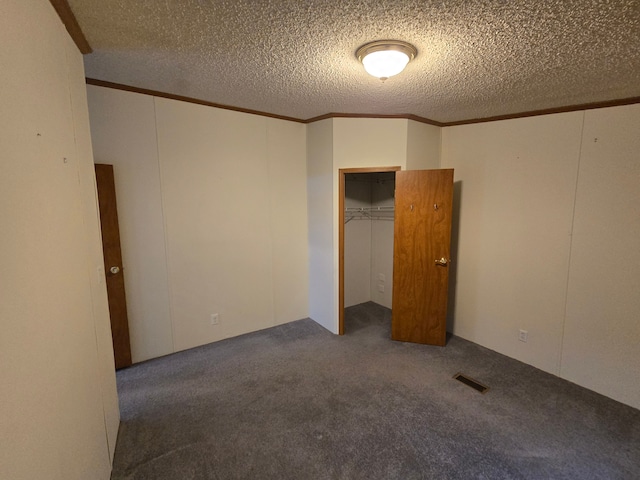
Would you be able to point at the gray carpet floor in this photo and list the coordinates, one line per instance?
(296, 402)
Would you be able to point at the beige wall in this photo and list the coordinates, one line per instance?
(213, 209)
(287, 175)
(382, 195)
(542, 206)
(357, 245)
(320, 209)
(601, 343)
(423, 146)
(225, 176)
(123, 128)
(59, 414)
(91, 218)
(517, 182)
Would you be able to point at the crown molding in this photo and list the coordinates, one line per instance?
(181, 98)
(548, 111)
(65, 13)
(171, 96)
(407, 116)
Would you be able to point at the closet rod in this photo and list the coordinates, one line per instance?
(370, 209)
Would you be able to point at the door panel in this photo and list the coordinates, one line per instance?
(422, 239)
(113, 265)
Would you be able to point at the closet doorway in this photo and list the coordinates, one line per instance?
(366, 206)
(419, 203)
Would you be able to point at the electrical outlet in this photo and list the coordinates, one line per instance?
(215, 319)
(380, 287)
(381, 277)
(522, 336)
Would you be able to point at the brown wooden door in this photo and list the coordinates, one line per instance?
(422, 238)
(113, 265)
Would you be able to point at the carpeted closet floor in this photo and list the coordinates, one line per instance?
(296, 402)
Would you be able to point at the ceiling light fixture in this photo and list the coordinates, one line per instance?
(386, 58)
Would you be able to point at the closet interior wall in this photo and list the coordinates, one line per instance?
(368, 238)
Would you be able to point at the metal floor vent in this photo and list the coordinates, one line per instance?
(471, 382)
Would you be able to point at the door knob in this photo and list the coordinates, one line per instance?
(443, 261)
(114, 269)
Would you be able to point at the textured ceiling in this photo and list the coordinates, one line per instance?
(296, 58)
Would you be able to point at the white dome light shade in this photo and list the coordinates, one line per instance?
(386, 58)
(385, 63)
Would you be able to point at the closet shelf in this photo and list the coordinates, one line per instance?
(368, 213)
